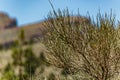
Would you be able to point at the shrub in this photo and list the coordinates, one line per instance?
(81, 45)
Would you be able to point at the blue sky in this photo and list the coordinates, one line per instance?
(30, 11)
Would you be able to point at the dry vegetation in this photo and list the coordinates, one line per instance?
(88, 49)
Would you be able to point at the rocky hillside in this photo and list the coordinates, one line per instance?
(9, 30)
(6, 22)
